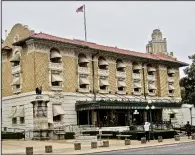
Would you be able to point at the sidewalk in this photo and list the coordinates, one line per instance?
(67, 146)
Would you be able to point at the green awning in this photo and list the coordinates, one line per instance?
(128, 104)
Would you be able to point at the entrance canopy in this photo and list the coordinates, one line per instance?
(130, 104)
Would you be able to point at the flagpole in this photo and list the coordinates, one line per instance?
(85, 24)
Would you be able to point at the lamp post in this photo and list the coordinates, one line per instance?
(190, 106)
(150, 108)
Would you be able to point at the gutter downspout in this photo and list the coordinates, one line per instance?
(93, 74)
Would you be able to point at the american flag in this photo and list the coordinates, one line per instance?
(80, 9)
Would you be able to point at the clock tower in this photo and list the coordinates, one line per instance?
(158, 44)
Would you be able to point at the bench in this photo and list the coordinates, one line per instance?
(104, 135)
(126, 136)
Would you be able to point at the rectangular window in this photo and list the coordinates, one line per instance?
(103, 87)
(83, 86)
(56, 83)
(17, 86)
(151, 91)
(22, 120)
(171, 91)
(14, 120)
(121, 89)
(136, 89)
(136, 71)
(57, 118)
(172, 115)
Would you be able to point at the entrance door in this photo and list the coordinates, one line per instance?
(121, 119)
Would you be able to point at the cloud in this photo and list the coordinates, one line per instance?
(123, 24)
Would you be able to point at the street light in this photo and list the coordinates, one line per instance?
(190, 106)
(150, 108)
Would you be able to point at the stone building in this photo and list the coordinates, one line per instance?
(84, 82)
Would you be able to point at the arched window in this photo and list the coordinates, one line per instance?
(120, 66)
(82, 60)
(102, 63)
(136, 67)
(170, 71)
(151, 69)
(55, 56)
(15, 60)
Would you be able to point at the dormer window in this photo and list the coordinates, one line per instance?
(82, 60)
(120, 66)
(55, 56)
(102, 63)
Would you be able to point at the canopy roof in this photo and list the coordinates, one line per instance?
(128, 104)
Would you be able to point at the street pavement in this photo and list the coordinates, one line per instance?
(183, 148)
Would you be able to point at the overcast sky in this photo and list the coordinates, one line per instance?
(124, 24)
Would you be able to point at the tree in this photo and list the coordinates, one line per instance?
(188, 83)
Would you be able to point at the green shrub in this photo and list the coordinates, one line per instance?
(12, 135)
(69, 135)
(136, 135)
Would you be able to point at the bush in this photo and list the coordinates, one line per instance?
(12, 135)
(135, 135)
(69, 135)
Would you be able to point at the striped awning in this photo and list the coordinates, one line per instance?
(121, 84)
(20, 112)
(104, 82)
(152, 87)
(151, 69)
(56, 78)
(137, 85)
(16, 81)
(120, 65)
(83, 60)
(103, 63)
(83, 81)
(15, 58)
(171, 87)
(57, 110)
(55, 54)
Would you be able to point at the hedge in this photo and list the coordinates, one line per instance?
(69, 135)
(166, 134)
(12, 135)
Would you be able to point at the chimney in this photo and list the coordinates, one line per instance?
(171, 53)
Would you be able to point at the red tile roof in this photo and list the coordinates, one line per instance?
(106, 48)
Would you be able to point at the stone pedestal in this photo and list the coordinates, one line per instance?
(193, 136)
(127, 142)
(143, 140)
(177, 138)
(105, 143)
(48, 149)
(77, 146)
(93, 145)
(160, 139)
(29, 150)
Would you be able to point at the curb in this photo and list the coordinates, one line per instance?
(135, 148)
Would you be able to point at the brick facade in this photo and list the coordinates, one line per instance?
(34, 70)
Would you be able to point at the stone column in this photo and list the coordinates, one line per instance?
(88, 122)
(128, 116)
(145, 116)
(94, 117)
